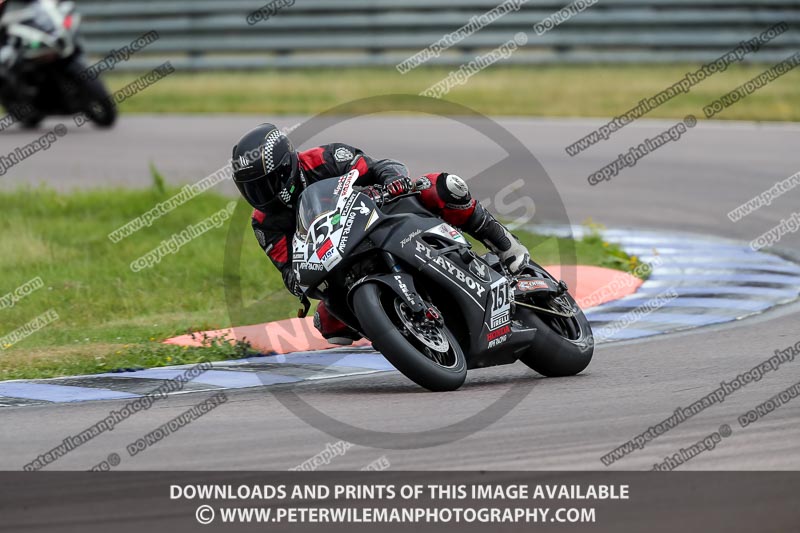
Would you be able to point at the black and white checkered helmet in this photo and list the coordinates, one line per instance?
(265, 166)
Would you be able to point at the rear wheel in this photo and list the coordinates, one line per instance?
(32, 123)
(425, 352)
(25, 115)
(563, 345)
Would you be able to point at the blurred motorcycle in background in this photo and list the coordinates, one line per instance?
(42, 67)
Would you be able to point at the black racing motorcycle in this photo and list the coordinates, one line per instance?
(412, 285)
(48, 75)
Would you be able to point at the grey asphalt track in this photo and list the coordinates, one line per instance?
(561, 423)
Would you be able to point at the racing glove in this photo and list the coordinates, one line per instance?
(400, 186)
(290, 280)
(395, 188)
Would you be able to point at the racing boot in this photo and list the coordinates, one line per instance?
(332, 329)
(496, 237)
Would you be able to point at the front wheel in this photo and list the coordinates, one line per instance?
(99, 107)
(562, 346)
(427, 354)
(94, 99)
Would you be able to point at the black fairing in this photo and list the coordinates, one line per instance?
(408, 250)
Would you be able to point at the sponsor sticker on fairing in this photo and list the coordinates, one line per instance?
(409, 238)
(324, 251)
(447, 231)
(498, 336)
(348, 226)
(406, 292)
(450, 268)
(480, 270)
(328, 254)
(532, 285)
(363, 209)
(332, 259)
(501, 304)
(345, 184)
(314, 267)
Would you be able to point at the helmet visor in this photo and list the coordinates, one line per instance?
(284, 173)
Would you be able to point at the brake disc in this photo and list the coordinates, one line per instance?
(427, 332)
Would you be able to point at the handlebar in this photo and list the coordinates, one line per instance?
(386, 197)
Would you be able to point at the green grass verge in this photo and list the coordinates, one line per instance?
(554, 91)
(111, 317)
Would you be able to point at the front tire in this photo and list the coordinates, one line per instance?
(99, 108)
(375, 308)
(94, 99)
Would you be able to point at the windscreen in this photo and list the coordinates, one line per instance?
(316, 200)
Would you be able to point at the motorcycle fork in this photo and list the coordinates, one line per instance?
(426, 311)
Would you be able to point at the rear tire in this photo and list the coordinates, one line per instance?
(31, 122)
(28, 117)
(372, 306)
(551, 353)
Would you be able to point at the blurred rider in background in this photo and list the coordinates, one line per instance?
(9, 49)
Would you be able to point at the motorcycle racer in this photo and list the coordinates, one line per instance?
(9, 53)
(270, 174)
